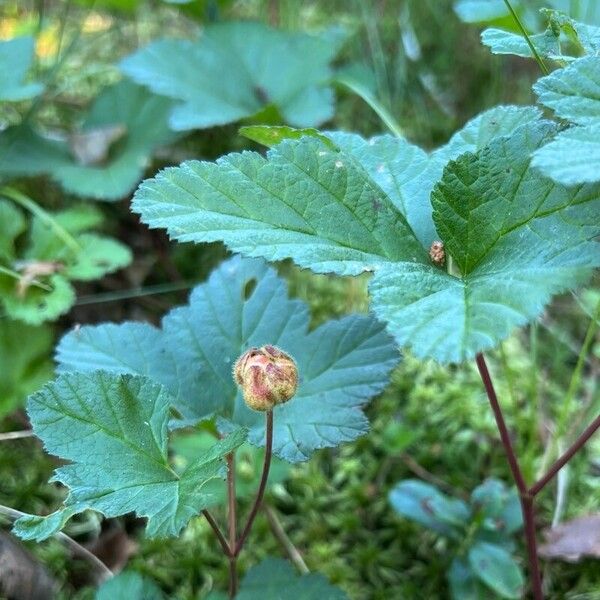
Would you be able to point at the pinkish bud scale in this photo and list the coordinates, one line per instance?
(267, 375)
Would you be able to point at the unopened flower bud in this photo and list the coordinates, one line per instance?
(267, 376)
(437, 253)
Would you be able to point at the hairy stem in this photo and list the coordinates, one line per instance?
(263, 483)
(231, 518)
(527, 507)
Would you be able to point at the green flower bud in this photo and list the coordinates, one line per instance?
(267, 376)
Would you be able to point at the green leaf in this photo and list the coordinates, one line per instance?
(113, 430)
(342, 364)
(517, 238)
(429, 507)
(573, 93)
(304, 201)
(271, 135)
(497, 569)
(572, 157)
(481, 11)
(275, 578)
(235, 70)
(129, 585)
(484, 128)
(16, 57)
(88, 257)
(403, 172)
(12, 225)
(37, 305)
(500, 507)
(143, 119)
(506, 42)
(25, 366)
(98, 256)
(463, 583)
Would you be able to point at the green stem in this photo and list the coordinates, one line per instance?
(537, 57)
(567, 404)
(17, 276)
(377, 106)
(35, 209)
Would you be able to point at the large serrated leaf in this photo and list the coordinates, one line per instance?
(573, 157)
(305, 201)
(342, 364)
(235, 70)
(484, 128)
(573, 92)
(113, 431)
(517, 238)
(275, 578)
(16, 57)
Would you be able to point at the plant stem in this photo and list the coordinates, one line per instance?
(263, 483)
(525, 496)
(537, 487)
(103, 573)
(218, 533)
(35, 209)
(503, 430)
(537, 57)
(16, 435)
(14, 275)
(575, 382)
(231, 518)
(284, 540)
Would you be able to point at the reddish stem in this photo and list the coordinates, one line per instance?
(527, 507)
(217, 530)
(539, 485)
(231, 518)
(261, 487)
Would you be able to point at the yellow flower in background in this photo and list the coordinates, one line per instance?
(46, 45)
(96, 22)
(8, 28)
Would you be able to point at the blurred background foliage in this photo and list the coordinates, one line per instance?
(419, 63)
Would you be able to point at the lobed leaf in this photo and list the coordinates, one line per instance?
(143, 119)
(275, 578)
(304, 201)
(516, 237)
(235, 70)
(342, 364)
(573, 93)
(113, 431)
(572, 157)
